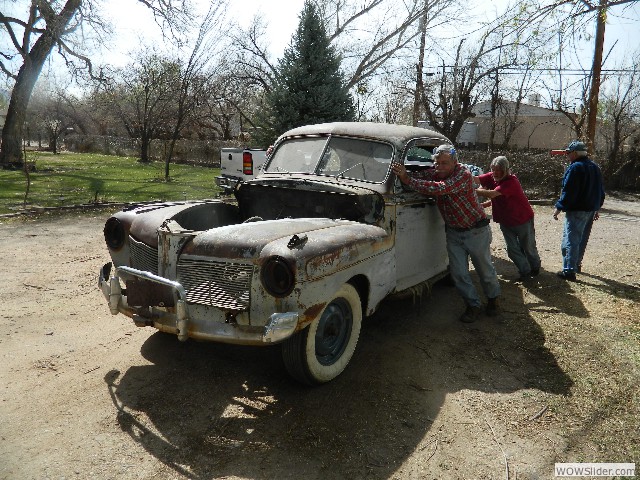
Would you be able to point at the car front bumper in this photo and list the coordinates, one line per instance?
(187, 320)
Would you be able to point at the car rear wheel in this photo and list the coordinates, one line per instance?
(320, 352)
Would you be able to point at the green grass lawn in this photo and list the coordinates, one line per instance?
(72, 179)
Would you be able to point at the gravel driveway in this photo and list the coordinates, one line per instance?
(84, 394)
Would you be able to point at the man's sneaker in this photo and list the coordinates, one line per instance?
(579, 268)
(535, 272)
(470, 315)
(567, 275)
(491, 309)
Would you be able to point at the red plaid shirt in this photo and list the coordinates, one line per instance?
(455, 195)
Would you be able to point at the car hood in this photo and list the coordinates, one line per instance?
(293, 237)
(143, 221)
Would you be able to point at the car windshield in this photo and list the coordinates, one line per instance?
(335, 156)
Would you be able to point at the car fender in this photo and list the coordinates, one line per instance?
(325, 259)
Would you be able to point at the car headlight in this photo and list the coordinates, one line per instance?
(278, 277)
(114, 233)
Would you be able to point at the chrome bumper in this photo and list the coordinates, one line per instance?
(226, 183)
(279, 327)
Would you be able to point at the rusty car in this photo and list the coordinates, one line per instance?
(298, 256)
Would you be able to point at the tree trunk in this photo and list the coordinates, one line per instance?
(495, 94)
(28, 186)
(610, 167)
(595, 79)
(419, 93)
(168, 157)
(11, 151)
(145, 143)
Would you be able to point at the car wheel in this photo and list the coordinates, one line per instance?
(320, 352)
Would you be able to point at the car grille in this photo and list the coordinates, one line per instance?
(218, 284)
(143, 257)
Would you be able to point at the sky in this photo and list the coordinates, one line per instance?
(134, 25)
(134, 20)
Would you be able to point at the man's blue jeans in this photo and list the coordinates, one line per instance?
(474, 244)
(577, 227)
(521, 246)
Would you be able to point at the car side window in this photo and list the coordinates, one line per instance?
(419, 156)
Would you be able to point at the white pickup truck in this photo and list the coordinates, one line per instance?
(239, 165)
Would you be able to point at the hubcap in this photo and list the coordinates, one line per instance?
(333, 331)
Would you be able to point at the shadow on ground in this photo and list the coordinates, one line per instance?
(207, 410)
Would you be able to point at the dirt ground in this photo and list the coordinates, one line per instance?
(84, 394)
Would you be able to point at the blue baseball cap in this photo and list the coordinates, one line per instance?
(576, 146)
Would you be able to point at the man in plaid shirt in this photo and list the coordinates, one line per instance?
(467, 227)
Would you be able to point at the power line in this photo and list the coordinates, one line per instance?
(519, 70)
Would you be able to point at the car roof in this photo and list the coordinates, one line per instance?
(399, 135)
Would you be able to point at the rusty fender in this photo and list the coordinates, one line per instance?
(329, 258)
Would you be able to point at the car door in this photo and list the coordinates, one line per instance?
(420, 246)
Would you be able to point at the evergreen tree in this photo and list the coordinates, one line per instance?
(309, 86)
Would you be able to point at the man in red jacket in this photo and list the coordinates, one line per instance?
(511, 209)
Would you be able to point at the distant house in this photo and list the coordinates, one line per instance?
(537, 127)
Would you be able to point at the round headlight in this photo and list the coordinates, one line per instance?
(114, 233)
(278, 277)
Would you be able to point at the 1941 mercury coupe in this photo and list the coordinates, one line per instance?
(298, 256)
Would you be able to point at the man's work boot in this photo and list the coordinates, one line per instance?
(492, 307)
(567, 275)
(470, 315)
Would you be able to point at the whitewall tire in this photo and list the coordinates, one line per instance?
(320, 352)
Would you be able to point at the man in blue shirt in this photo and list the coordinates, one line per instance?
(581, 197)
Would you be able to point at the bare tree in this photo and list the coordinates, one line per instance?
(565, 102)
(370, 34)
(55, 112)
(144, 98)
(620, 114)
(449, 99)
(568, 91)
(103, 115)
(34, 54)
(390, 101)
(227, 106)
(192, 84)
(367, 34)
(505, 114)
(45, 25)
(577, 14)
(70, 105)
(482, 63)
(252, 63)
(418, 94)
